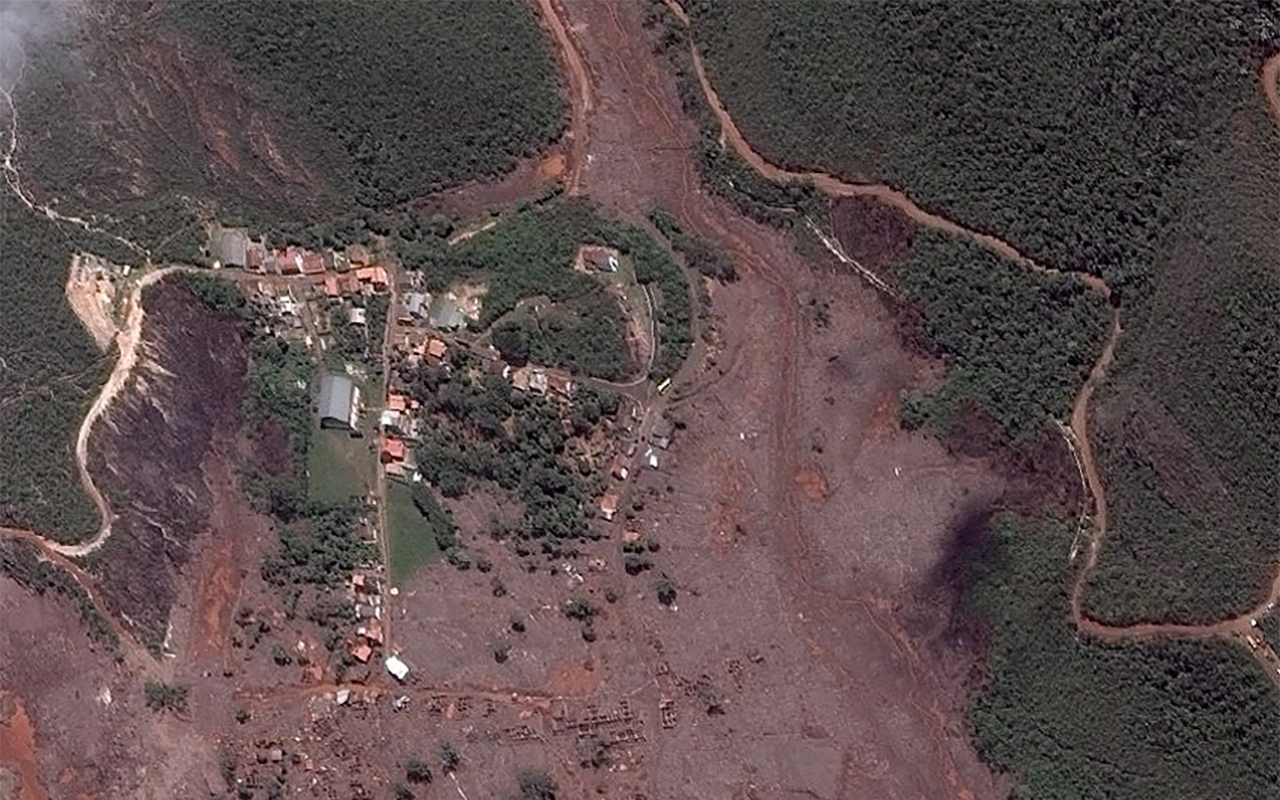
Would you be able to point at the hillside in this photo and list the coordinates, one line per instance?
(1130, 141)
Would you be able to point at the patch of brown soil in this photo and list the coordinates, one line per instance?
(872, 232)
(552, 168)
(18, 750)
(89, 297)
(812, 483)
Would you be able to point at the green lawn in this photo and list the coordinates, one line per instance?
(341, 466)
(412, 542)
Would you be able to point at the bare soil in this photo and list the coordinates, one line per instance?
(807, 650)
(148, 453)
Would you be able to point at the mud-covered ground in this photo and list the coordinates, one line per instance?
(808, 649)
(148, 454)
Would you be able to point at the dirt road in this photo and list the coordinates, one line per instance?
(581, 98)
(835, 187)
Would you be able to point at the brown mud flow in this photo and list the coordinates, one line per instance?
(19, 771)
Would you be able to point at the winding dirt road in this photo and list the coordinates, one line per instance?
(835, 187)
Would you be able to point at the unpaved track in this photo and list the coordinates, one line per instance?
(580, 95)
(835, 187)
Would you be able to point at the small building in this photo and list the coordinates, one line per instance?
(445, 314)
(312, 263)
(230, 247)
(389, 420)
(330, 287)
(374, 276)
(358, 315)
(291, 264)
(415, 304)
(436, 349)
(339, 402)
(520, 379)
(662, 430)
(538, 381)
(392, 450)
(361, 653)
(255, 257)
(609, 505)
(621, 467)
(397, 668)
(397, 402)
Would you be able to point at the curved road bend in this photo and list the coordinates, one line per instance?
(835, 187)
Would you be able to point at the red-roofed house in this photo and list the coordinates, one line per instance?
(312, 263)
(436, 349)
(392, 450)
(331, 287)
(396, 402)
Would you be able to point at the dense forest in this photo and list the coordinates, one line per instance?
(51, 372)
(1017, 344)
(420, 95)
(1074, 718)
(1131, 140)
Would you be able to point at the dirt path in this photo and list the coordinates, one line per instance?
(384, 534)
(835, 187)
(580, 94)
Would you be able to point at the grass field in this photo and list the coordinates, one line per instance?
(1073, 718)
(412, 542)
(341, 466)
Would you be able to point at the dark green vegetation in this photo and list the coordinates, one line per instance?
(479, 430)
(1189, 425)
(163, 696)
(1130, 140)
(585, 337)
(1017, 344)
(1074, 718)
(50, 375)
(20, 561)
(419, 95)
(531, 254)
(698, 253)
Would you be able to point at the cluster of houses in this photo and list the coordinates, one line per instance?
(366, 598)
(659, 437)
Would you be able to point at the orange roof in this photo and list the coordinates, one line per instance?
(331, 287)
(609, 503)
(436, 348)
(362, 652)
(380, 276)
(365, 274)
(393, 448)
(396, 402)
(312, 263)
